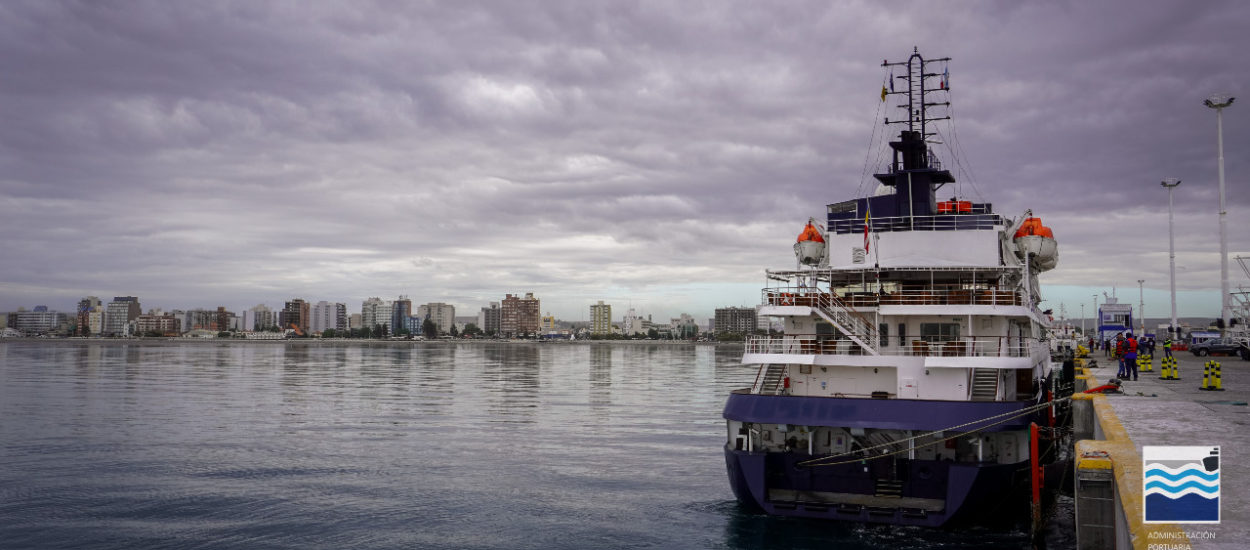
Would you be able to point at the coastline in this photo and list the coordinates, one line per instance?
(360, 341)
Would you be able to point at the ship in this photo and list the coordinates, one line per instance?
(913, 375)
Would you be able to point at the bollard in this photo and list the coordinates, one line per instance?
(1095, 499)
(1146, 363)
(1168, 370)
(1211, 377)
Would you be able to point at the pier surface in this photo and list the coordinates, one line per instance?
(1176, 412)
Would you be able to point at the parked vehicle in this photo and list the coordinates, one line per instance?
(1221, 346)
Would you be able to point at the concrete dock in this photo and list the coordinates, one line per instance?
(1151, 412)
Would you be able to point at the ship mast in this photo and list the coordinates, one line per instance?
(917, 92)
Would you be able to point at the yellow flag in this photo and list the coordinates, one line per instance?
(883, 92)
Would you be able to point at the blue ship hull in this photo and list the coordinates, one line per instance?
(930, 493)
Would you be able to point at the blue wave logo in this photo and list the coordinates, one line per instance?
(1181, 484)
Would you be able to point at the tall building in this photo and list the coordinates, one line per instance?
(519, 316)
(375, 312)
(443, 315)
(118, 315)
(225, 319)
(632, 323)
(488, 319)
(736, 320)
(82, 320)
(601, 318)
(401, 310)
(326, 315)
(201, 319)
(259, 317)
(295, 312)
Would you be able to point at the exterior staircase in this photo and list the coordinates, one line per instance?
(984, 384)
(771, 384)
(852, 324)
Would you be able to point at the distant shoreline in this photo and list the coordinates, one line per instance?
(358, 341)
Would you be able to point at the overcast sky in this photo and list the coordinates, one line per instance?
(653, 154)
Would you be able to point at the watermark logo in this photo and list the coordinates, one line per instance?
(1181, 484)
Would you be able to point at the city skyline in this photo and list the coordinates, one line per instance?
(651, 155)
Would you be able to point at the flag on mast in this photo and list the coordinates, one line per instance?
(865, 232)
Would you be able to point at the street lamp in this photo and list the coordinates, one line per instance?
(1097, 319)
(1083, 333)
(1141, 300)
(1219, 102)
(1170, 184)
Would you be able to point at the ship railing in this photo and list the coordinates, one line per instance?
(980, 217)
(855, 326)
(928, 295)
(824, 344)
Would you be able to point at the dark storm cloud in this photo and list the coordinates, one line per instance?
(236, 153)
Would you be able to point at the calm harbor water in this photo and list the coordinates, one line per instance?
(271, 445)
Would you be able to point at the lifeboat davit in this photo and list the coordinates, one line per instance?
(810, 248)
(1036, 240)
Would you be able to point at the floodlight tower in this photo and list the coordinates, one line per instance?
(1219, 102)
(1170, 184)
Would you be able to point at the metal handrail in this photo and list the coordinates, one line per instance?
(968, 346)
(930, 295)
(979, 218)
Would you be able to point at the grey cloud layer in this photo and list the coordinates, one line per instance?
(231, 153)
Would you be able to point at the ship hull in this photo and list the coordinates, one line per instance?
(891, 490)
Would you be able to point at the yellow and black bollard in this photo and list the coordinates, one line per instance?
(1211, 377)
(1168, 370)
(1145, 363)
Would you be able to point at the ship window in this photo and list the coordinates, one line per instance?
(939, 332)
(902, 334)
(885, 334)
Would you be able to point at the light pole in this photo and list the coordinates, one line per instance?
(1219, 102)
(1083, 333)
(1096, 319)
(1141, 300)
(1170, 184)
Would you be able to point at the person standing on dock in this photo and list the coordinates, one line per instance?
(1119, 355)
(1167, 347)
(1130, 356)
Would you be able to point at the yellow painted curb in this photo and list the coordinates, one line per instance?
(1126, 466)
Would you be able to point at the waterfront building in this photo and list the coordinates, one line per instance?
(295, 314)
(684, 326)
(443, 315)
(354, 321)
(82, 318)
(519, 316)
(601, 318)
(326, 315)
(118, 315)
(259, 317)
(375, 312)
(488, 319)
(401, 310)
(735, 320)
(157, 322)
(200, 319)
(225, 319)
(38, 321)
(95, 321)
(632, 323)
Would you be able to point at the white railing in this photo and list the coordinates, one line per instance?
(940, 222)
(970, 346)
(927, 295)
(851, 323)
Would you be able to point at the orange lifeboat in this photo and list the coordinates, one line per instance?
(1038, 242)
(810, 247)
(954, 207)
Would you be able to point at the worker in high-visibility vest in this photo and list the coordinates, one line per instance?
(1167, 347)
